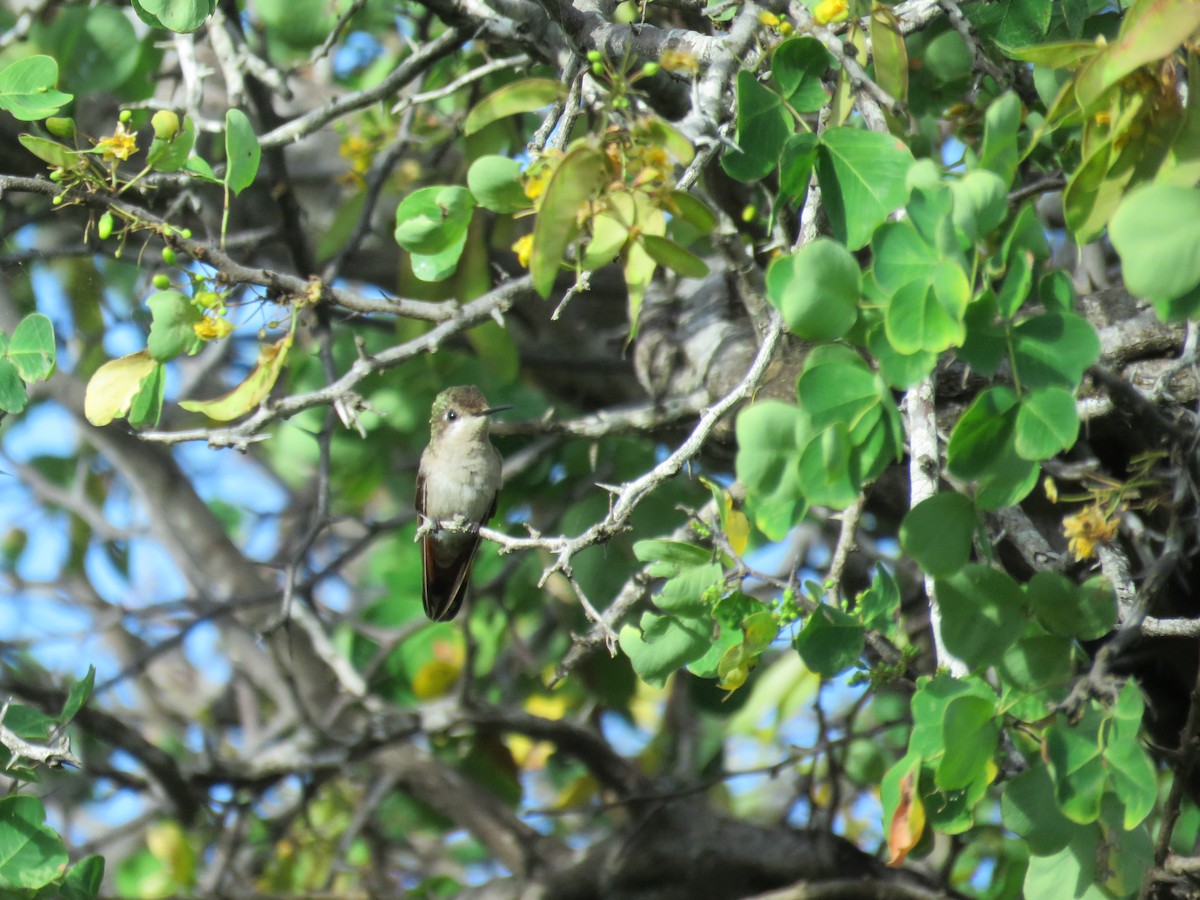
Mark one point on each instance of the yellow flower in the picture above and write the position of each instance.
(536, 181)
(118, 145)
(768, 18)
(678, 61)
(524, 249)
(1051, 489)
(830, 11)
(1087, 528)
(357, 150)
(211, 327)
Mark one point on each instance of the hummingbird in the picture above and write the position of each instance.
(457, 483)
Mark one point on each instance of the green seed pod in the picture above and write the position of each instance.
(597, 68)
(161, 282)
(56, 176)
(651, 69)
(169, 256)
(620, 103)
(206, 299)
(104, 227)
(595, 56)
(185, 233)
(125, 116)
(61, 126)
(165, 124)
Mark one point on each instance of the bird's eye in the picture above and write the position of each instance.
(451, 416)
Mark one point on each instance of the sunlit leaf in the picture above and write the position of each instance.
(251, 392)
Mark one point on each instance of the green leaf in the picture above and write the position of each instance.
(96, 46)
(1095, 189)
(1017, 282)
(13, 397)
(947, 57)
(1002, 122)
(242, 152)
(113, 386)
(576, 180)
(830, 642)
(526, 95)
(879, 604)
(146, 407)
(667, 253)
(684, 593)
(938, 531)
(1054, 349)
(201, 169)
(970, 735)
(31, 348)
(175, 15)
(84, 879)
(170, 155)
(1132, 772)
(980, 203)
(608, 239)
(172, 327)
(987, 424)
(674, 556)
(796, 162)
(825, 472)
(915, 320)
(693, 211)
(1182, 163)
(434, 219)
(763, 124)
(31, 853)
(1040, 664)
(495, 182)
(1069, 874)
(298, 24)
(1047, 423)
(27, 88)
(78, 695)
(862, 175)
(983, 612)
(1152, 30)
(889, 53)
(817, 289)
(929, 703)
(837, 388)
(1077, 766)
(1156, 232)
(1017, 23)
(1028, 809)
(660, 645)
(797, 66)
(51, 152)
(436, 266)
(1056, 291)
(899, 370)
(252, 391)
(767, 439)
(901, 256)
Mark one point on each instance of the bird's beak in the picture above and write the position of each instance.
(495, 409)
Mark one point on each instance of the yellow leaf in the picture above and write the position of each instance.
(251, 392)
(547, 706)
(168, 844)
(737, 529)
(908, 822)
(435, 679)
(114, 385)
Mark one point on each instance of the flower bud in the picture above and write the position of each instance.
(165, 124)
